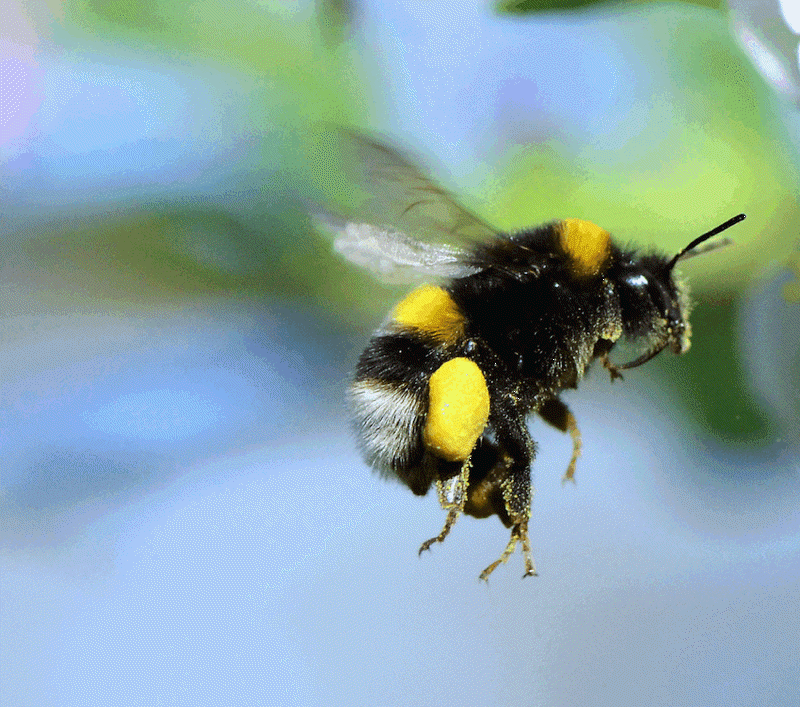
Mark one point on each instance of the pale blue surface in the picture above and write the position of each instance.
(185, 520)
(288, 575)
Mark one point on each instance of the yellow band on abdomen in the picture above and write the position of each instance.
(431, 310)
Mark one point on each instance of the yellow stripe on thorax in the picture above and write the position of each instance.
(458, 409)
(430, 309)
(588, 246)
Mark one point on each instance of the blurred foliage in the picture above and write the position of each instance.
(335, 18)
(711, 379)
(791, 291)
(703, 144)
(707, 121)
(144, 256)
(708, 125)
(279, 40)
(526, 6)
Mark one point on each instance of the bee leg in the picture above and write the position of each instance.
(518, 533)
(452, 497)
(485, 492)
(512, 435)
(458, 410)
(555, 413)
(613, 370)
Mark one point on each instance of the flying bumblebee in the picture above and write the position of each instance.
(441, 394)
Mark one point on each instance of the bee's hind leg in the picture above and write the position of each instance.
(519, 533)
(458, 410)
(514, 439)
(452, 497)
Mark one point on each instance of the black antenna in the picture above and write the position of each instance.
(697, 241)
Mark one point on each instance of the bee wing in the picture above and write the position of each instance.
(407, 227)
(393, 256)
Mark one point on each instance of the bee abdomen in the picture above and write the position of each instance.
(388, 419)
(388, 399)
(389, 396)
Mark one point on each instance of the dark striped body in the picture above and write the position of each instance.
(442, 392)
(530, 337)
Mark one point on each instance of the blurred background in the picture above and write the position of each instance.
(184, 518)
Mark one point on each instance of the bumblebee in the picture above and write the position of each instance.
(442, 392)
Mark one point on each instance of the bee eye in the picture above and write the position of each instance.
(638, 280)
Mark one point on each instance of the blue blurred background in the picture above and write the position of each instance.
(184, 518)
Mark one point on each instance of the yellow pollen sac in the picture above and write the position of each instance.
(587, 245)
(458, 409)
(430, 309)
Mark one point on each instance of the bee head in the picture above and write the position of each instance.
(654, 303)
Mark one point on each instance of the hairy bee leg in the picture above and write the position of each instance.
(575, 433)
(485, 491)
(557, 414)
(530, 565)
(513, 436)
(452, 497)
(519, 533)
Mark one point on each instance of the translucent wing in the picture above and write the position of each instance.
(392, 256)
(403, 198)
(405, 227)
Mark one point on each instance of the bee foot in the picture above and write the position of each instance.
(519, 533)
(427, 544)
(452, 515)
(614, 371)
